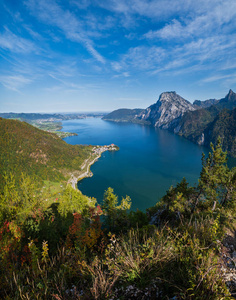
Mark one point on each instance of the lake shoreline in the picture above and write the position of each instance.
(150, 162)
(96, 154)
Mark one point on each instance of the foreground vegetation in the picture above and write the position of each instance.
(60, 249)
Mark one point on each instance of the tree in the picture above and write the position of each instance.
(214, 183)
(110, 201)
(115, 213)
(73, 200)
(217, 183)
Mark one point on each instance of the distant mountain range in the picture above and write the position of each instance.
(28, 117)
(124, 115)
(201, 122)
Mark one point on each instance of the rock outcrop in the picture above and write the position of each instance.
(166, 111)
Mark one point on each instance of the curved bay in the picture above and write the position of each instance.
(149, 161)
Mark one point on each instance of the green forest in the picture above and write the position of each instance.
(63, 245)
(39, 154)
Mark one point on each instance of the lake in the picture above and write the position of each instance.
(149, 161)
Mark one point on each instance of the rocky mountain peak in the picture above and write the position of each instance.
(229, 102)
(230, 94)
(174, 98)
(166, 96)
(168, 107)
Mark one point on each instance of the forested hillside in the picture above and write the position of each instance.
(205, 125)
(193, 123)
(223, 126)
(123, 115)
(42, 155)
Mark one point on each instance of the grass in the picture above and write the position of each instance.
(53, 127)
(54, 189)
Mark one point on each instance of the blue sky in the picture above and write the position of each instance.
(100, 55)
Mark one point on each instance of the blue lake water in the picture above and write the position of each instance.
(149, 161)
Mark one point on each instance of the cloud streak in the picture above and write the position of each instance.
(214, 21)
(12, 42)
(52, 14)
(78, 46)
(14, 83)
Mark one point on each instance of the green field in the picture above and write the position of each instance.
(52, 126)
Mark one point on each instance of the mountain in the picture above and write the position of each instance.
(123, 115)
(169, 107)
(32, 151)
(223, 126)
(200, 122)
(29, 117)
(204, 125)
(228, 102)
(205, 103)
(193, 123)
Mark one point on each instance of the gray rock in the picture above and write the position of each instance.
(169, 107)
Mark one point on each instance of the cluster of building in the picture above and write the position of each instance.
(100, 149)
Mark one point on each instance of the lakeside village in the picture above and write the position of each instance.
(98, 150)
(85, 168)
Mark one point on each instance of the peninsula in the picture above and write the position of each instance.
(85, 167)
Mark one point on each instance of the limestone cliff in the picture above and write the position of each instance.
(166, 111)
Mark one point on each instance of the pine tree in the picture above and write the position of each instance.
(217, 181)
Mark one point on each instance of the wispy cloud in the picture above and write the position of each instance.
(122, 75)
(12, 42)
(14, 83)
(51, 13)
(219, 77)
(116, 66)
(161, 9)
(211, 21)
(140, 58)
(193, 56)
(69, 83)
(35, 35)
(80, 47)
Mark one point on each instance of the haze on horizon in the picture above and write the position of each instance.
(90, 55)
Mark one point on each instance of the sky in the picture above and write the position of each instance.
(101, 55)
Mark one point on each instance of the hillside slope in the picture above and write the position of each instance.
(224, 126)
(205, 103)
(205, 125)
(123, 115)
(32, 151)
(193, 123)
